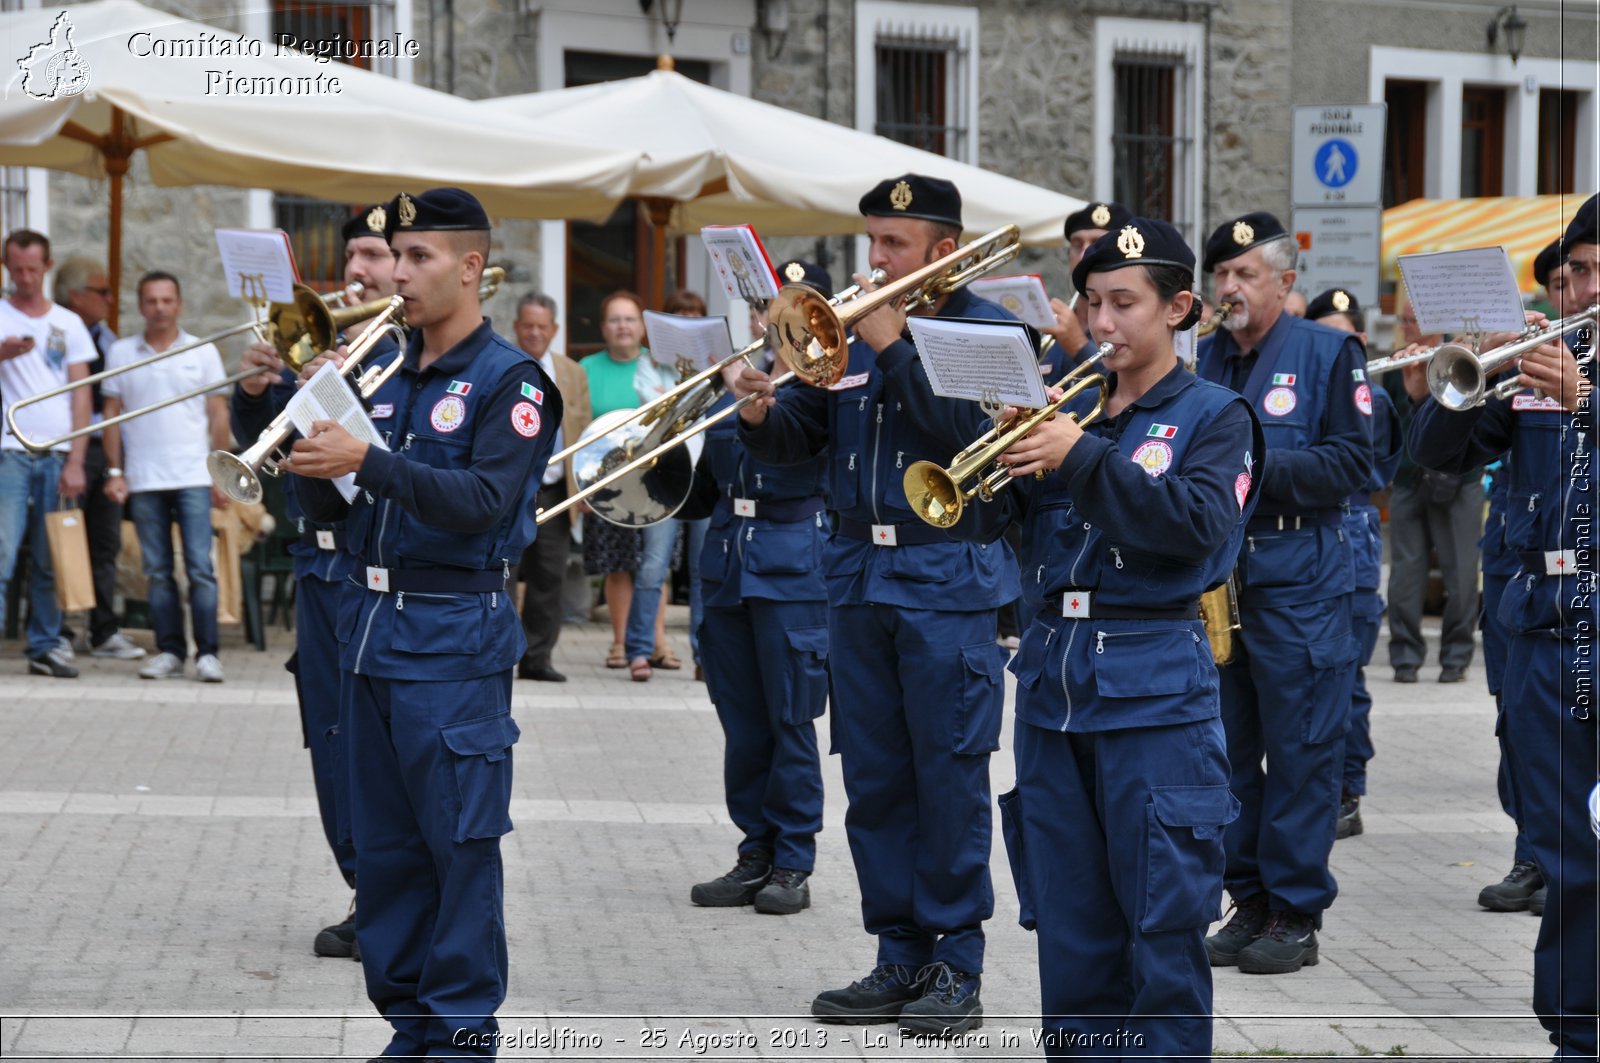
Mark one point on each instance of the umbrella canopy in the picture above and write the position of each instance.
(1523, 225)
(720, 158)
(100, 81)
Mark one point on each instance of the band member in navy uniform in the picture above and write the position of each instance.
(1363, 526)
(1074, 342)
(917, 682)
(321, 567)
(1551, 610)
(431, 633)
(764, 644)
(1115, 827)
(1286, 696)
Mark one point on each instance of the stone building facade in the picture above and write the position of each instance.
(1037, 89)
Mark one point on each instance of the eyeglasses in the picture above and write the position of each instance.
(622, 321)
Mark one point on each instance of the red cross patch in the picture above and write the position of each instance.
(525, 419)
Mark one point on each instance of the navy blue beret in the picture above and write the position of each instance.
(798, 271)
(1234, 238)
(1585, 227)
(1106, 216)
(1547, 262)
(1140, 242)
(438, 209)
(913, 195)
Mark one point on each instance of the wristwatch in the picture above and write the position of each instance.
(113, 472)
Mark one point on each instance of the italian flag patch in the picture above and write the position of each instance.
(458, 387)
(1283, 379)
(1163, 431)
(1359, 375)
(531, 392)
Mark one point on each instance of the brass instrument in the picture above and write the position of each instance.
(1379, 366)
(618, 445)
(239, 475)
(939, 496)
(1458, 375)
(1219, 612)
(813, 338)
(1206, 328)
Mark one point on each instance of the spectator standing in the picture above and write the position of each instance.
(42, 346)
(166, 481)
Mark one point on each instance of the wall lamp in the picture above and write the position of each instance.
(670, 11)
(772, 22)
(1515, 27)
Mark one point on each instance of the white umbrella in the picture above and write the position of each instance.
(99, 81)
(720, 158)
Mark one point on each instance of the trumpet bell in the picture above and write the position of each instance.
(809, 336)
(1456, 377)
(234, 477)
(933, 494)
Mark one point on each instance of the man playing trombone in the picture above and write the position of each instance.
(917, 676)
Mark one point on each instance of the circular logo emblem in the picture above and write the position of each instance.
(1243, 233)
(1011, 303)
(525, 419)
(1278, 402)
(1241, 489)
(1153, 456)
(1364, 399)
(1130, 242)
(1341, 300)
(1101, 215)
(448, 414)
(795, 272)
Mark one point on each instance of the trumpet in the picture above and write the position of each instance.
(239, 475)
(939, 496)
(1208, 327)
(1458, 376)
(1379, 366)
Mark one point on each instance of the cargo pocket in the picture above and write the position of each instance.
(1332, 669)
(482, 751)
(427, 623)
(982, 695)
(1016, 853)
(807, 679)
(1184, 856)
(1153, 662)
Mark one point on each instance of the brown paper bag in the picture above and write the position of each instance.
(225, 562)
(69, 558)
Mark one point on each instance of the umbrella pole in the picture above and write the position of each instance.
(659, 212)
(117, 149)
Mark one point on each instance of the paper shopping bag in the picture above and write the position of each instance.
(225, 564)
(69, 558)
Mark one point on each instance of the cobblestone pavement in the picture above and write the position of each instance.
(165, 873)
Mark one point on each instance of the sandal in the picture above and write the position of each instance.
(639, 669)
(665, 658)
(618, 657)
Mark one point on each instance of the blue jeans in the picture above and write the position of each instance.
(154, 513)
(28, 490)
(654, 564)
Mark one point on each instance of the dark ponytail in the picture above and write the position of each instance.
(1169, 281)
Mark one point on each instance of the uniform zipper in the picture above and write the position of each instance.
(877, 436)
(1072, 572)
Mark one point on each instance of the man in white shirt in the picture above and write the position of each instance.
(544, 563)
(42, 346)
(165, 480)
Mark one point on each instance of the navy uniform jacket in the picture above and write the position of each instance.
(1146, 513)
(469, 438)
(250, 415)
(758, 557)
(1550, 497)
(1308, 386)
(878, 419)
(1363, 521)
(1498, 558)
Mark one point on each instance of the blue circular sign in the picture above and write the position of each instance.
(1336, 163)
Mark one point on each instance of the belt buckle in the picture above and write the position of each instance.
(1075, 604)
(744, 507)
(325, 540)
(377, 579)
(883, 535)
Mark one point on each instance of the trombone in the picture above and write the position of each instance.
(1458, 376)
(1207, 328)
(239, 475)
(298, 329)
(939, 495)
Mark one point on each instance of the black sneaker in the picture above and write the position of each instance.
(338, 940)
(1287, 943)
(1514, 892)
(1405, 673)
(54, 663)
(738, 886)
(1349, 817)
(1536, 903)
(1249, 919)
(879, 997)
(785, 893)
(949, 1007)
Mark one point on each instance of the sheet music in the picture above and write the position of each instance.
(1464, 291)
(989, 361)
(1023, 295)
(700, 341)
(326, 397)
(262, 253)
(740, 262)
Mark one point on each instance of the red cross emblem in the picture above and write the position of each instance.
(883, 535)
(1561, 562)
(525, 419)
(1075, 603)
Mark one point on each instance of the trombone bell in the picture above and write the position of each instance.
(809, 335)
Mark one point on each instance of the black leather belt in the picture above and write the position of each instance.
(1360, 499)
(435, 580)
(1328, 518)
(1557, 562)
(786, 511)
(1086, 605)
(917, 534)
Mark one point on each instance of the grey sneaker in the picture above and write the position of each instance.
(64, 644)
(118, 647)
(53, 663)
(208, 669)
(162, 666)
